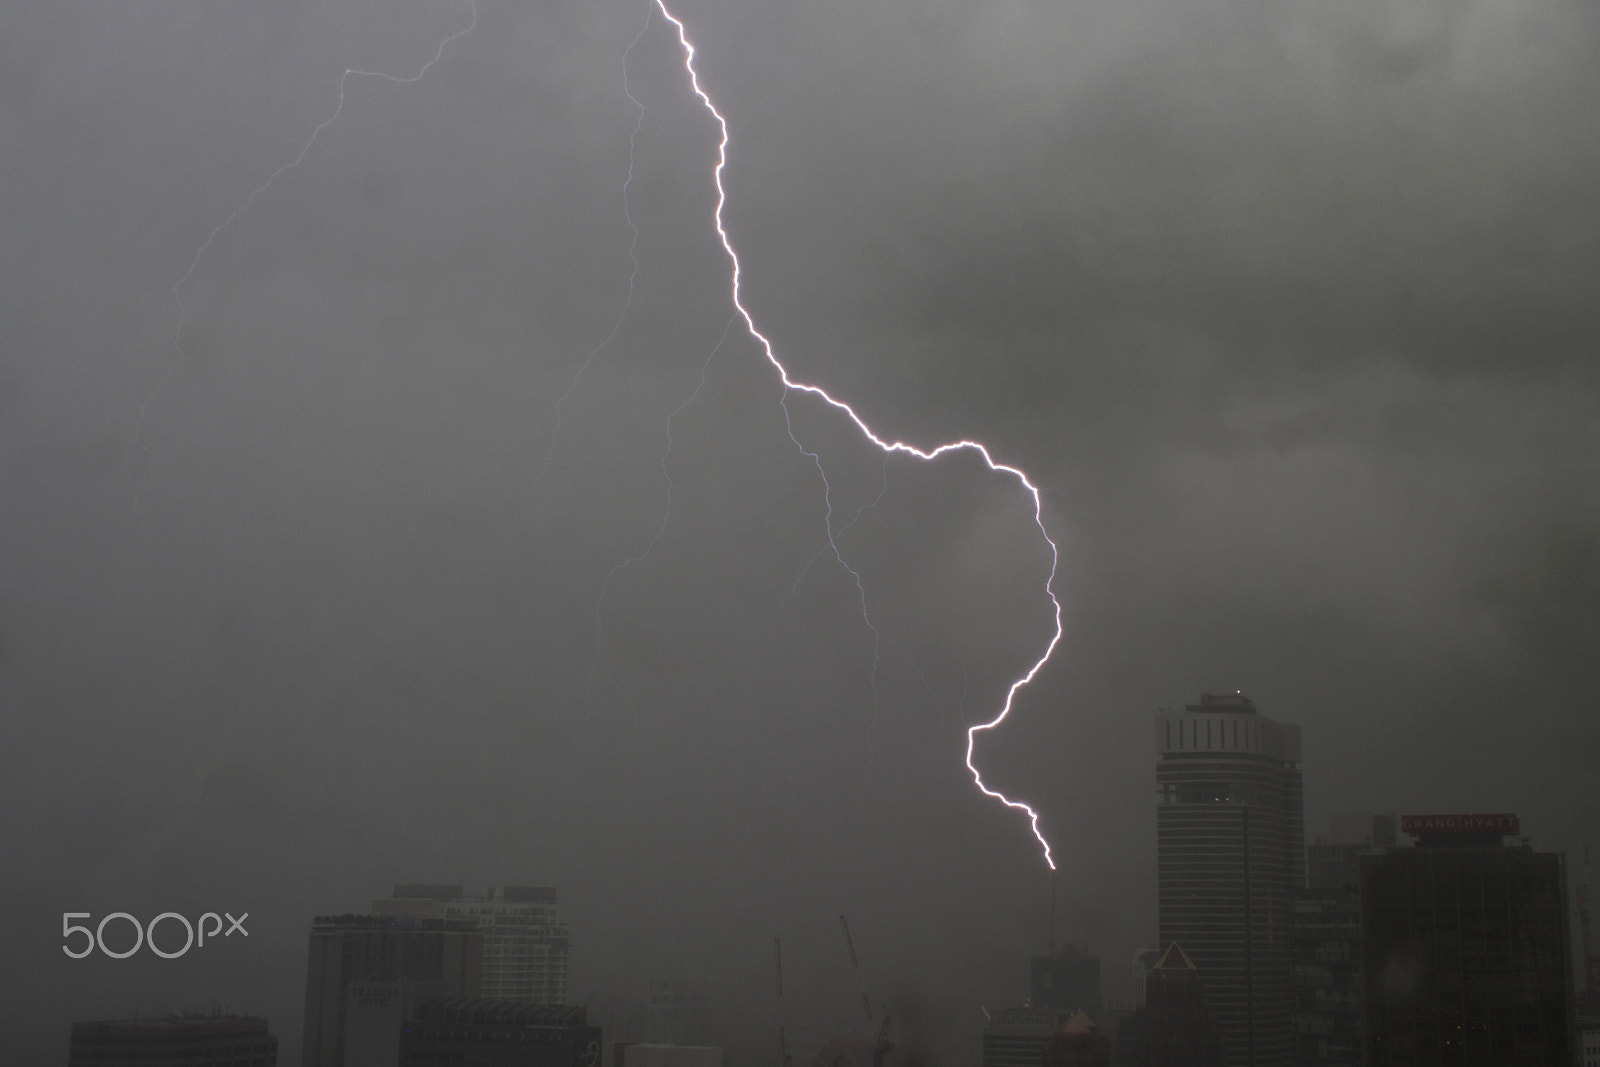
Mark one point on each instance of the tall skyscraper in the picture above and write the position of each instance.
(1230, 846)
(524, 944)
(1465, 951)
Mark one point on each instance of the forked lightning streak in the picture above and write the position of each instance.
(901, 447)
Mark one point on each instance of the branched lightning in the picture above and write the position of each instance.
(879, 638)
(889, 447)
(260, 190)
(789, 384)
(883, 490)
(666, 514)
(833, 547)
(633, 273)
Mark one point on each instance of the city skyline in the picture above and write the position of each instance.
(369, 973)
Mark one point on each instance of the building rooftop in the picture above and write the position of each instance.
(1216, 702)
(1175, 959)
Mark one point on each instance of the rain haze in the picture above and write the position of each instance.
(435, 517)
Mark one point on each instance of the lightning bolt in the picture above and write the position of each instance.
(792, 385)
(181, 356)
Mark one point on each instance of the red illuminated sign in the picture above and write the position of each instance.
(1503, 823)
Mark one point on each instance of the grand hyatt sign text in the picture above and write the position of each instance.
(1458, 824)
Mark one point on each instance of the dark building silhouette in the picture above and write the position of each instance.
(1466, 955)
(1078, 1042)
(1230, 851)
(1325, 971)
(498, 1032)
(365, 973)
(1067, 980)
(1062, 985)
(1173, 1028)
(186, 1040)
(1020, 1037)
(644, 1054)
(1586, 1001)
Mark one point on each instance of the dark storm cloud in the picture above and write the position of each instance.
(1288, 310)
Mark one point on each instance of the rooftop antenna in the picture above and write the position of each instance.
(1051, 943)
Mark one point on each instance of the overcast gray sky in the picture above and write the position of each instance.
(1289, 310)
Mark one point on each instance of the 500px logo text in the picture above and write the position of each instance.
(146, 934)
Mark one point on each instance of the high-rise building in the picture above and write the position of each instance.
(197, 1040)
(524, 945)
(1325, 970)
(366, 972)
(1229, 851)
(1465, 951)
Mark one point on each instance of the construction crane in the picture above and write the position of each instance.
(881, 1045)
(850, 947)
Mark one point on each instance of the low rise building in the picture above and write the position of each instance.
(192, 1040)
(498, 1032)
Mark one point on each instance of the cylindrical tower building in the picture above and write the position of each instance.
(1230, 845)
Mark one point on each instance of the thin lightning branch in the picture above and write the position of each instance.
(258, 191)
(790, 384)
(666, 515)
(633, 257)
(862, 510)
(855, 575)
(915, 666)
(833, 546)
